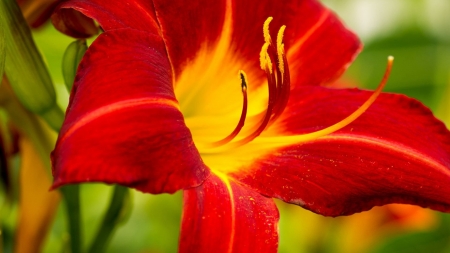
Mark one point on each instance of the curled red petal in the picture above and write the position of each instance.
(319, 47)
(73, 17)
(123, 124)
(396, 152)
(221, 215)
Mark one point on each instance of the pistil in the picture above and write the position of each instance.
(241, 122)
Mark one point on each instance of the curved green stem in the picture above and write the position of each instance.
(110, 220)
(71, 195)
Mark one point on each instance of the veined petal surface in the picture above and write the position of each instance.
(123, 124)
(221, 215)
(396, 152)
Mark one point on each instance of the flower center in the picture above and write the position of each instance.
(218, 143)
(278, 80)
(278, 85)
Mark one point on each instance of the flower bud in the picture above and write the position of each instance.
(24, 65)
(2, 52)
(72, 57)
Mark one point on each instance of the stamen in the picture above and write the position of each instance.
(241, 122)
(278, 80)
(272, 51)
(275, 84)
(284, 87)
(343, 123)
(280, 50)
(266, 32)
(264, 58)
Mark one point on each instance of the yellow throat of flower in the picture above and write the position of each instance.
(211, 105)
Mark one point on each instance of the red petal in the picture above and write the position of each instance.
(221, 215)
(136, 14)
(396, 152)
(319, 47)
(123, 124)
(199, 24)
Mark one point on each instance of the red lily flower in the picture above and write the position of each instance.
(156, 101)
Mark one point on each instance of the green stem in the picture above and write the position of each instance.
(71, 195)
(111, 219)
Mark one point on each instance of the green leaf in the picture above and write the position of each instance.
(419, 69)
(420, 242)
(436, 240)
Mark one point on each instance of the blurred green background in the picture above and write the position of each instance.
(417, 34)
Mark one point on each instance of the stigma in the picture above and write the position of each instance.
(241, 122)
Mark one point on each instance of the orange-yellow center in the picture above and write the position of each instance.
(226, 141)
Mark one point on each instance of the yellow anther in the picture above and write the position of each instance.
(263, 55)
(264, 58)
(266, 32)
(280, 35)
(280, 48)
